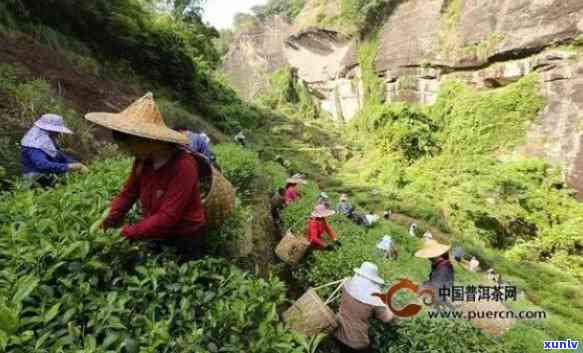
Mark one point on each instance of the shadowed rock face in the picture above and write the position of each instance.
(556, 135)
(409, 36)
(256, 51)
(324, 60)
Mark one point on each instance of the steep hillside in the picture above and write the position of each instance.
(465, 115)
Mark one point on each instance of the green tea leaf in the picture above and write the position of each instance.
(52, 312)
(25, 286)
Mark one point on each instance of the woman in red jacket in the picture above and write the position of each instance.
(164, 178)
(317, 226)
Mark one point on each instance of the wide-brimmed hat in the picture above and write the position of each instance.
(142, 119)
(295, 180)
(320, 211)
(432, 249)
(53, 123)
(369, 271)
(323, 195)
(365, 283)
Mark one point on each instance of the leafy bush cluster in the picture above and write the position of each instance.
(508, 202)
(288, 96)
(66, 287)
(404, 130)
(358, 245)
(290, 9)
(239, 165)
(367, 15)
(423, 335)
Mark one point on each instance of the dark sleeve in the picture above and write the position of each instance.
(176, 201)
(42, 163)
(442, 276)
(64, 158)
(124, 201)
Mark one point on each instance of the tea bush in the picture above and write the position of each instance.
(239, 165)
(66, 287)
(423, 335)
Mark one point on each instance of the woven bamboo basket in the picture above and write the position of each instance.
(219, 201)
(291, 248)
(310, 315)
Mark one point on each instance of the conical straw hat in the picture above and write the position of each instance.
(431, 249)
(142, 119)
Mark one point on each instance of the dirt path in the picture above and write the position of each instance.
(407, 221)
(493, 326)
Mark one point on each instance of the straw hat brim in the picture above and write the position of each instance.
(370, 277)
(296, 181)
(52, 128)
(432, 249)
(146, 130)
(328, 213)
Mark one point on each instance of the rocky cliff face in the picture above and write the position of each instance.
(486, 43)
(256, 51)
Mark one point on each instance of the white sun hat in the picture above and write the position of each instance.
(52, 122)
(364, 284)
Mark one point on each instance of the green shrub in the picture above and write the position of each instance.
(232, 230)
(276, 173)
(65, 286)
(239, 165)
(423, 335)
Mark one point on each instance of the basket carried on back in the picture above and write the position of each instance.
(291, 248)
(219, 200)
(310, 315)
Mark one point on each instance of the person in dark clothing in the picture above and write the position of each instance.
(199, 143)
(241, 139)
(41, 159)
(458, 253)
(277, 205)
(441, 275)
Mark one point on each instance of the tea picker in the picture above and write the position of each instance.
(386, 248)
(41, 158)
(317, 226)
(358, 305)
(413, 229)
(240, 138)
(322, 199)
(344, 207)
(166, 178)
(441, 274)
(458, 253)
(291, 188)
